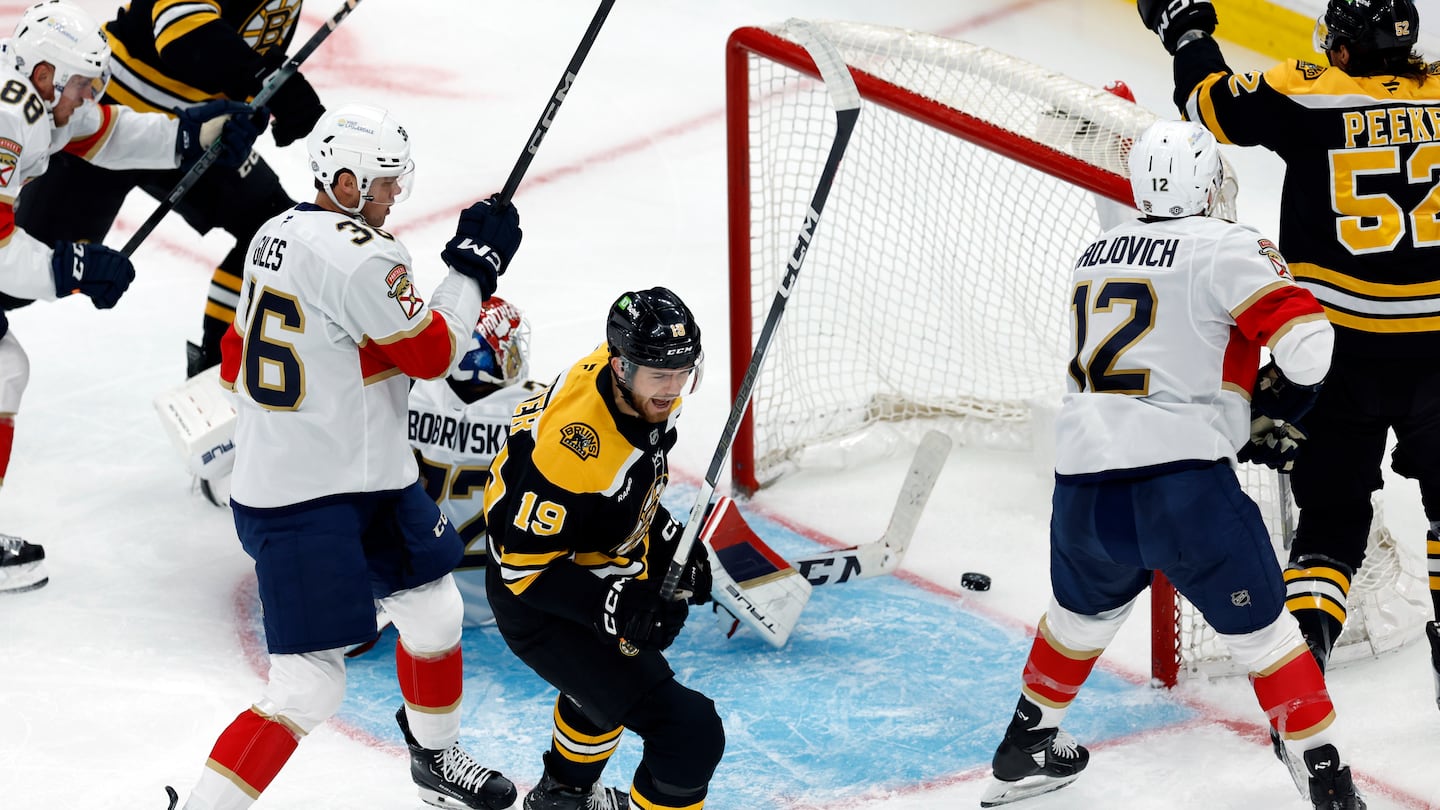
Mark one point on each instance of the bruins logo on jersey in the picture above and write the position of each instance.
(403, 291)
(580, 439)
(1309, 70)
(1269, 251)
(270, 24)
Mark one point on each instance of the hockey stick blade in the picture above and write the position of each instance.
(840, 84)
(883, 556)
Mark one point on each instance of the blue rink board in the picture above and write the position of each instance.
(882, 685)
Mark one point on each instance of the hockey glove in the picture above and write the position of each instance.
(696, 581)
(1279, 398)
(485, 241)
(1170, 19)
(1272, 444)
(295, 105)
(634, 611)
(230, 121)
(93, 269)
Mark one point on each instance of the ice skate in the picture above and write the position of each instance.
(1029, 763)
(1331, 787)
(451, 778)
(1432, 632)
(22, 565)
(551, 795)
(173, 797)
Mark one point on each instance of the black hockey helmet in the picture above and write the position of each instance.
(653, 328)
(1368, 25)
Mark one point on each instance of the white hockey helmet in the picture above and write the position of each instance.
(366, 141)
(66, 37)
(1175, 170)
(499, 348)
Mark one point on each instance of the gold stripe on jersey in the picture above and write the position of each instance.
(1206, 106)
(380, 376)
(1372, 306)
(1320, 86)
(405, 335)
(176, 18)
(577, 446)
(141, 87)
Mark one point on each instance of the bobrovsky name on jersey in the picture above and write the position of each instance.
(1135, 251)
(481, 438)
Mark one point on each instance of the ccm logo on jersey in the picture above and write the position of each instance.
(580, 439)
(403, 291)
(1269, 251)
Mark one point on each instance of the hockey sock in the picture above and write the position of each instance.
(1293, 696)
(7, 440)
(223, 297)
(579, 748)
(1053, 677)
(1432, 550)
(648, 794)
(252, 750)
(1316, 593)
(432, 687)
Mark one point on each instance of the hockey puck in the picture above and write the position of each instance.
(972, 581)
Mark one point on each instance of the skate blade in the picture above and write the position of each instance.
(998, 792)
(437, 799)
(22, 578)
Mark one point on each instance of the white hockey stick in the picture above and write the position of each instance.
(883, 556)
(846, 100)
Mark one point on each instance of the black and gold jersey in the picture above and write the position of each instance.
(1360, 203)
(576, 488)
(175, 53)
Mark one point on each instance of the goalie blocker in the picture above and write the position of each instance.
(200, 422)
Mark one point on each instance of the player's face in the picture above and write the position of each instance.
(77, 91)
(653, 391)
(385, 192)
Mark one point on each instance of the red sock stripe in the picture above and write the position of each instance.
(1055, 676)
(253, 749)
(1293, 696)
(430, 683)
(7, 440)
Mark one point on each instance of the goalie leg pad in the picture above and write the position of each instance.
(751, 581)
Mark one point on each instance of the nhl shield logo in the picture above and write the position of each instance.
(580, 439)
(403, 291)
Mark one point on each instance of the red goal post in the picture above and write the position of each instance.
(935, 288)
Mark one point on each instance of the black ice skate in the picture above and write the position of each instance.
(551, 795)
(1331, 787)
(22, 565)
(451, 778)
(1032, 761)
(172, 796)
(1432, 631)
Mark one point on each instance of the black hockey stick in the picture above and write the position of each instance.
(542, 127)
(272, 84)
(846, 100)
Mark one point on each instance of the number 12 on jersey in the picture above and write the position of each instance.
(1100, 371)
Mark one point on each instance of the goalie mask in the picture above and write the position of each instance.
(498, 352)
(1364, 26)
(70, 41)
(1175, 170)
(653, 328)
(367, 142)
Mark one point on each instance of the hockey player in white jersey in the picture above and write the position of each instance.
(325, 492)
(51, 71)
(459, 423)
(1170, 313)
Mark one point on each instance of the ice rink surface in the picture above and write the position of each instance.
(116, 678)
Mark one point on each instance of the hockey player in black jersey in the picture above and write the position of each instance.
(579, 542)
(172, 54)
(1360, 223)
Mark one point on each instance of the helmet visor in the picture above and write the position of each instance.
(1322, 37)
(660, 383)
(394, 188)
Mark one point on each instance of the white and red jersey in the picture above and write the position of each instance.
(1169, 317)
(456, 443)
(106, 135)
(327, 335)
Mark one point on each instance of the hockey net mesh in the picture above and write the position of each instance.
(935, 289)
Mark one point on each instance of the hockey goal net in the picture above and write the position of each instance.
(935, 291)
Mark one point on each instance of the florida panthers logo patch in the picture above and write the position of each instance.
(9, 159)
(1277, 262)
(580, 439)
(403, 291)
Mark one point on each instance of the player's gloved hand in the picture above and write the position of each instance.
(696, 582)
(92, 269)
(295, 105)
(231, 122)
(1169, 19)
(486, 238)
(1277, 397)
(1273, 444)
(634, 611)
